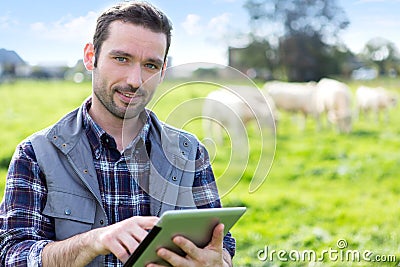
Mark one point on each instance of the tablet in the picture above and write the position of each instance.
(196, 225)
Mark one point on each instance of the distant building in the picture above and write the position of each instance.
(235, 58)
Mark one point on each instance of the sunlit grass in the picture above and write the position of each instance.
(28, 106)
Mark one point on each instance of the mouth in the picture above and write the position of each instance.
(127, 97)
(130, 95)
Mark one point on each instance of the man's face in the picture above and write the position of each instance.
(129, 68)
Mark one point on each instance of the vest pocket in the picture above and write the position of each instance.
(73, 214)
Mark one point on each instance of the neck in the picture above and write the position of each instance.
(115, 126)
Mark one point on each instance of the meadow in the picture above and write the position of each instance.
(327, 194)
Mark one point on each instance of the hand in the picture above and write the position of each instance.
(122, 238)
(211, 255)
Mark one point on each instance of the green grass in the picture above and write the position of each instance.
(28, 106)
(322, 186)
(316, 195)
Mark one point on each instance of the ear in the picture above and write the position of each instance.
(88, 56)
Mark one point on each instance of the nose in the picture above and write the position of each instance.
(134, 77)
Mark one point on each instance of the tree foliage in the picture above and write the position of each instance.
(255, 57)
(383, 54)
(303, 32)
(307, 17)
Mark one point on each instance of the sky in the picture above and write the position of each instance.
(54, 32)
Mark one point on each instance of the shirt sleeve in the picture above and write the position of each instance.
(24, 230)
(205, 191)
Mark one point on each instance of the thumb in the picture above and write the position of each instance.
(218, 237)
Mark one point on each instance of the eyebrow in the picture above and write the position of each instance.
(121, 53)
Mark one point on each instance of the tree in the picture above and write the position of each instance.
(255, 57)
(304, 32)
(383, 54)
(301, 55)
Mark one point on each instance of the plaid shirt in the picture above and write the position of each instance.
(24, 230)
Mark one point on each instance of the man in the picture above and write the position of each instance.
(86, 190)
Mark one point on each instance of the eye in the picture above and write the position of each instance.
(121, 59)
(151, 66)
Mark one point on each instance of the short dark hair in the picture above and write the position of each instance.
(138, 13)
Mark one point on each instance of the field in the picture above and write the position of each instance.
(329, 195)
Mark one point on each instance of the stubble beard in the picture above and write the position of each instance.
(107, 100)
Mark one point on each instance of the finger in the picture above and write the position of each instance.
(145, 222)
(127, 235)
(217, 238)
(119, 251)
(154, 265)
(139, 225)
(172, 258)
(187, 246)
(129, 243)
(136, 232)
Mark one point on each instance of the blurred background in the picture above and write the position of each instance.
(291, 40)
(324, 186)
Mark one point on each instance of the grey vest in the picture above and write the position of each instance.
(73, 200)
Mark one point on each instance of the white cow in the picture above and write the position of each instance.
(293, 97)
(233, 108)
(334, 99)
(374, 100)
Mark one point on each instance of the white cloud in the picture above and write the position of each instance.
(219, 25)
(38, 27)
(6, 22)
(68, 29)
(208, 37)
(216, 26)
(192, 24)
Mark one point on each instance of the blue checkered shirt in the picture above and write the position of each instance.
(24, 230)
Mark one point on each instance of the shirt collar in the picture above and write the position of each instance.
(96, 134)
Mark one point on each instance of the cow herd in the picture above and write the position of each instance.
(231, 108)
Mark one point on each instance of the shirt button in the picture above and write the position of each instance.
(97, 153)
(67, 211)
(185, 144)
(174, 178)
(101, 222)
